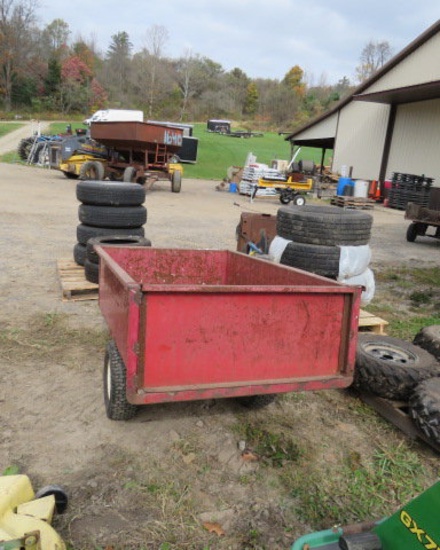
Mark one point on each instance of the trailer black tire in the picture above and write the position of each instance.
(299, 200)
(411, 233)
(321, 260)
(285, 198)
(255, 402)
(79, 253)
(91, 170)
(391, 368)
(428, 338)
(86, 232)
(109, 193)
(70, 175)
(176, 181)
(112, 216)
(116, 404)
(424, 407)
(91, 271)
(129, 175)
(324, 225)
(116, 240)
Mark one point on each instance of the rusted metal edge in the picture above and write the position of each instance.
(394, 411)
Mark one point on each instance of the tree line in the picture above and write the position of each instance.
(43, 71)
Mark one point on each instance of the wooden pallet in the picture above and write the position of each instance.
(353, 202)
(74, 285)
(368, 322)
(397, 413)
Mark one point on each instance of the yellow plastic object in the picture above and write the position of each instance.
(24, 522)
(73, 164)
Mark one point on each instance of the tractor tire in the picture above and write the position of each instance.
(105, 193)
(176, 181)
(79, 253)
(256, 402)
(321, 260)
(115, 240)
(24, 148)
(129, 174)
(86, 232)
(115, 382)
(428, 338)
(391, 368)
(324, 225)
(91, 271)
(112, 216)
(91, 170)
(424, 408)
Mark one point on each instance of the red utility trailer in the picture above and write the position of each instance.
(199, 324)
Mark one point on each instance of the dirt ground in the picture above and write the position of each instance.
(150, 482)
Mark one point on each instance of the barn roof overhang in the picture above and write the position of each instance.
(321, 143)
(408, 94)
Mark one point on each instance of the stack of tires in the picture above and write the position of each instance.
(327, 241)
(110, 212)
(406, 372)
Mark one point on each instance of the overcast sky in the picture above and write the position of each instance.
(264, 38)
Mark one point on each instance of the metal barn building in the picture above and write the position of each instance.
(391, 122)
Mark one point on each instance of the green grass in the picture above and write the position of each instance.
(10, 127)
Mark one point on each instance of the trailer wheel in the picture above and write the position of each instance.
(285, 198)
(112, 216)
(411, 233)
(129, 174)
(424, 408)
(91, 170)
(326, 225)
(299, 200)
(391, 368)
(256, 402)
(176, 181)
(109, 193)
(115, 381)
(428, 338)
(70, 175)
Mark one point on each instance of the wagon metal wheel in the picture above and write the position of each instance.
(176, 181)
(256, 402)
(91, 170)
(115, 379)
(391, 368)
(425, 408)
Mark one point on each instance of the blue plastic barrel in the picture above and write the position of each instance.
(341, 185)
(232, 187)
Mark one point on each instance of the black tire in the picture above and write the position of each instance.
(70, 175)
(176, 181)
(255, 402)
(321, 260)
(86, 232)
(424, 407)
(411, 233)
(428, 338)
(91, 271)
(91, 170)
(24, 148)
(118, 240)
(109, 193)
(285, 198)
(112, 216)
(324, 225)
(391, 368)
(61, 497)
(115, 381)
(129, 174)
(79, 253)
(299, 200)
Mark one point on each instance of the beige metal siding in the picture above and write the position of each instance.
(360, 139)
(415, 147)
(419, 67)
(324, 129)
